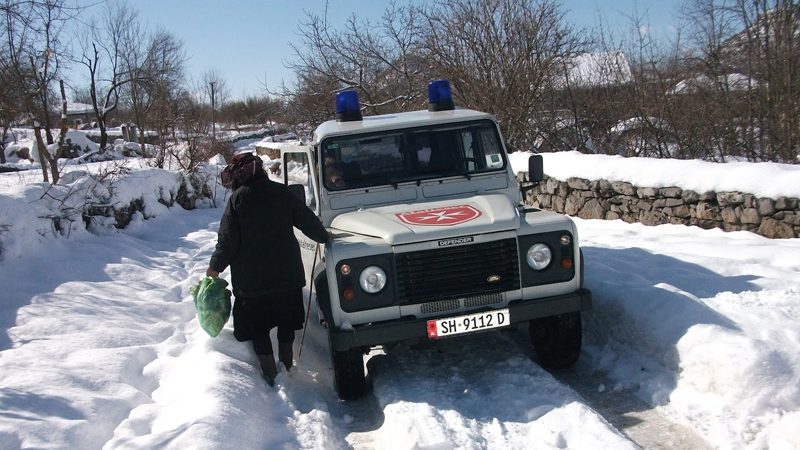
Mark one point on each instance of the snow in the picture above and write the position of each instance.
(598, 69)
(734, 82)
(761, 179)
(101, 348)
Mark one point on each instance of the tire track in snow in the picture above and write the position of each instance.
(642, 423)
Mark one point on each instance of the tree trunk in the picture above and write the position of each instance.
(103, 134)
(62, 153)
(45, 158)
(3, 145)
(42, 149)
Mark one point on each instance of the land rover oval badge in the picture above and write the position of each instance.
(493, 279)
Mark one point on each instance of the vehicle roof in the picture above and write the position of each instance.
(396, 121)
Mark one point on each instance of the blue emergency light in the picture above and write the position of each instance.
(348, 108)
(440, 98)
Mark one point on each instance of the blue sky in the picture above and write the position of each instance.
(248, 40)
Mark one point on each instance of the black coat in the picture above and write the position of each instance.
(256, 238)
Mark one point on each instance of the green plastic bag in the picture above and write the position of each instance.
(213, 304)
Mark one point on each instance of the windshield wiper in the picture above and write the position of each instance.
(383, 179)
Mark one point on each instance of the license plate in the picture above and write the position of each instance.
(467, 324)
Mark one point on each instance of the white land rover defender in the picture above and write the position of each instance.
(432, 240)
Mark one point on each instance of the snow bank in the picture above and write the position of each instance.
(32, 212)
(761, 179)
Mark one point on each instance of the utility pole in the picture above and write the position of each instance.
(213, 114)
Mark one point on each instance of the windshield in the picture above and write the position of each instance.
(414, 154)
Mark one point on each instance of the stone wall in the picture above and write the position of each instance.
(611, 200)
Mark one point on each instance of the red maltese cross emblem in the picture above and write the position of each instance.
(444, 216)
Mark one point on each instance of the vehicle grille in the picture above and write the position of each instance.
(456, 272)
(454, 304)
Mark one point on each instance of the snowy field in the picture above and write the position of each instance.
(101, 349)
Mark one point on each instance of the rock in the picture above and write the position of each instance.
(667, 202)
(605, 189)
(592, 210)
(558, 204)
(551, 186)
(646, 192)
(623, 188)
(670, 192)
(792, 219)
(573, 205)
(708, 196)
(774, 229)
(578, 183)
(731, 227)
(705, 211)
(682, 211)
(707, 224)
(766, 206)
(611, 215)
(750, 216)
(678, 221)
(650, 218)
(730, 216)
(690, 196)
(786, 203)
(545, 200)
(730, 198)
(618, 199)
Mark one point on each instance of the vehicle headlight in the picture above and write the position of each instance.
(539, 256)
(372, 279)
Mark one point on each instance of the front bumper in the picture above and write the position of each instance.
(408, 329)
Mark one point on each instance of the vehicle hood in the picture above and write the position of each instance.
(407, 223)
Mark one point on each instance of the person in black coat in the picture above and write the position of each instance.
(256, 239)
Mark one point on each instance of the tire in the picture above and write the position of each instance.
(557, 340)
(349, 378)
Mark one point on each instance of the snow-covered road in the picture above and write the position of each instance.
(101, 350)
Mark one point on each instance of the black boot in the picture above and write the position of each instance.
(285, 354)
(268, 368)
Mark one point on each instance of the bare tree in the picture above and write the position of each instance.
(744, 77)
(32, 39)
(216, 91)
(640, 118)
(771, 42)
(11, 103)
(156, 61)
(253, 110)
(502, 56)
(380, 60)
(103, 57)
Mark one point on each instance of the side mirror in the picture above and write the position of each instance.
(299, 191)
(535, 168)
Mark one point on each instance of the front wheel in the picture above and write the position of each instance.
(349, 378)
(557, 340)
